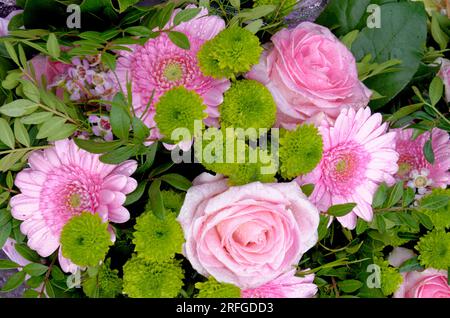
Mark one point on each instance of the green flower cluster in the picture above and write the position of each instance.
(213, 289)
(85, 239)
(178, 108)
(248, 104)
(439, 217)
(283, 7)
(234, 50)
(149, 279)
(300, 151)
(390, 277)
(105, 283)
(156, 239)
(434, 249)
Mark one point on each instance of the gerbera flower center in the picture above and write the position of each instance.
(173, 72)
(346, 164)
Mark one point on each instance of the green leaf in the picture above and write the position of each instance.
(254, 26)
(53, 46)
(186, 15)
(5, 232)
(27, 253)
(141, 131)
(428, 151)
(156, 200)
(36, 118)
(51, 127)
(5, 215)
(6, 134)
(98, 147)
(7, 264)
(408, 197)
(3, 197)
(350, 286)
(9, 160)
(349, 38)
(66, 131)
(14, 282)
(436, 90)
(437, 33)
(109, 60)
(405, 111)
(411, 265)
(119, 155)
(323, 227)
(307, 189)
(31, 91)
(435, 201)
(21, 133)
(164, 15)
(177, 181)
(50, 290)
(30, 293)
(11, 52)
(35, 281)
(18, 108)
(136, 194)
(361, 226)
(35, 269)
(236, 3)
(161, 169)
(402, 36)
(395, 195)
(125, 4)
(380, 196)
(341, 209)
(424, 220)
(380, 223)
(179, 39)
(120, 120)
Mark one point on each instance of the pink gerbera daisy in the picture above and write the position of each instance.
(63, 181)
(358, 155)
(286, 286)
(160, 65)
(412, 162)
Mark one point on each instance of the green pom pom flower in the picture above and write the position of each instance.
(157, 239)
(248, 104)
(148, 279)
(105, 284)
(434, 249)
(213, 289)
(283, 7)
(85, 239)
(178, 108)
(173, 201)
(390, 277)
(300, 151)
(234, 50)
(439, 217)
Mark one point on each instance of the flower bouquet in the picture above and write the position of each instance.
(225, 149)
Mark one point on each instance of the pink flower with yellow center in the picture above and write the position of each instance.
(358, 155)
(63, 181)
(412, 157)
(160, 65)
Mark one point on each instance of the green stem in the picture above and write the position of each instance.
(6, 152)
(439, 113)
(57, 113)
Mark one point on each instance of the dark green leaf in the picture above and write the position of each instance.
(98, 147)
(119, 155)
(35, 269)
(361, 226)
(308, 189)
(137, 194)
(7, 264)
(161, 169)
(380, 196)
(436, 90)
(395, 194)
(435, 201)
(323, 227)
(341, 209)
(27, 253)
(186, 15)
(120, 120)
(408, 197)
(141, 131)
(428, 151)
(30, 293)
(177, 181)
(179, 39)
(5, 231)
(156, 200)
(14, 282)
(411, 265)
(424, 220)
(350, 286)
(35, 281)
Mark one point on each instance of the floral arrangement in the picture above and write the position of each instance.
(225, 149)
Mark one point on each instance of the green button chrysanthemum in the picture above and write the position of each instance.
(105, 284)
(390, 278)
(213, 289)
(173, 201)
(300, 151)
(234, 50)
(148, 279)
(434, 249)
(439, 217)
(248, 104)
(178, 108)
(157, 239)
(85, 239)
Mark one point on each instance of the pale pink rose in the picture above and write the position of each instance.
(4, 22)
(399, 255)
(247, 235)
(430, 283)
(311, 74)
(286, 286)
(444, 74)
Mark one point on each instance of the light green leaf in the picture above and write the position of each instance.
(177, 181)
(66, 131)
(14, 281)
(436, 90)
(31, 91)
(36, 118)
(51, 127)
(9, 160)
(53, 46)
(179, 39)
(6, 134)
(21, 133)
(19, 108)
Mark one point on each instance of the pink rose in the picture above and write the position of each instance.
(311, 74)
(444, 74)
(430, 283)
(246, 235)
(286, 286)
